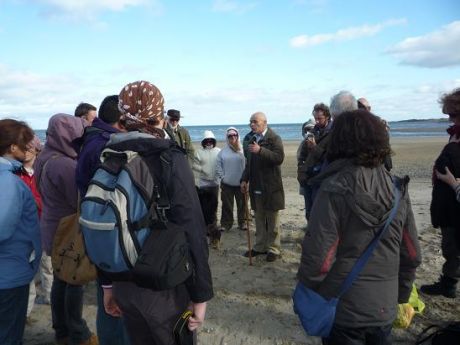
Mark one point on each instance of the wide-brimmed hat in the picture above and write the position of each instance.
(173, 114)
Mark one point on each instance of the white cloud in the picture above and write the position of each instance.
(89, 9)
(34, 97)
(232, 6)
(436, 49)
(346, 34)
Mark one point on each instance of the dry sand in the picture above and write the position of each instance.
(252, 304)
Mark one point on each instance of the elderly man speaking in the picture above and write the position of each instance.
(262, 178)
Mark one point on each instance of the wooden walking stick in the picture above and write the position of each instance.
(247, 218)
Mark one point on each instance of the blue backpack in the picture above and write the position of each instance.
(123, 210)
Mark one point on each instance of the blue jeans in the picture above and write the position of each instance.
(13, 309)
(67, 309)
(359, 336)
(110, 330)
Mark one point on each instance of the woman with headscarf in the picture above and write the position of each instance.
(229, 169)
(150, 315)
(20, 247)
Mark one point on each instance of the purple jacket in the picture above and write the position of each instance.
(55, 173)
(92, 144)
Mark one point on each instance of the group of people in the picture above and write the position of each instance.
(342, 170)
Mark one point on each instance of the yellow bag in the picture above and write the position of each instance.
(406, 311)
(68, 256)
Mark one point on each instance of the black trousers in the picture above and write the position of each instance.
(359, 336)
(208, 200)
(227, 195)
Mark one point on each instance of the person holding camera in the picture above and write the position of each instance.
(312, 137)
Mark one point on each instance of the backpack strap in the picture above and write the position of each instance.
(160, 203)
(361, 262)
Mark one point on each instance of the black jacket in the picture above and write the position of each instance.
(445, 209)
(185, 209)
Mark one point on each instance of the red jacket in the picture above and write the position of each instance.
(29, 180)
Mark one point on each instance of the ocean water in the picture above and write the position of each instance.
(292, 131)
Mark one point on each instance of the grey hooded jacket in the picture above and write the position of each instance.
(352, 205)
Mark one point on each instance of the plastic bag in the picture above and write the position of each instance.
(406, 311)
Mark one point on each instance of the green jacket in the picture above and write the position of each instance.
(182, 138)
(263, 172)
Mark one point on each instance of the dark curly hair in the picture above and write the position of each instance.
(322, 107)
(451, 103)
(361, 136)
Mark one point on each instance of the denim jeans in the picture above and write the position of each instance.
(67, 309)
(359, 336)
(110, 330)
(13, 309)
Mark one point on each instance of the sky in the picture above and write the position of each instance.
(219, 61)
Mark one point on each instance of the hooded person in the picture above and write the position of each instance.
(55, 176)
(229, 169)
(207, 183)
(150, 315)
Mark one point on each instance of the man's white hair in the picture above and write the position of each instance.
(341, 102)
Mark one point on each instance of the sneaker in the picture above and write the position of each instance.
(445, 286)
(272, 257)
(93, 340)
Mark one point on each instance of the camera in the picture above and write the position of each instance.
(308, 135)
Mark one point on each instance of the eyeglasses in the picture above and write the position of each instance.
(232, 136)
(171, 119)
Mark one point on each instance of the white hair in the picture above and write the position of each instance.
(341, 102)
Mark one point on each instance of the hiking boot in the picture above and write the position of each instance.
(93, 340)
(272, 257)
(253, 253)
(445, 286)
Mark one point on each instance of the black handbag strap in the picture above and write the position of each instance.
(361, 262)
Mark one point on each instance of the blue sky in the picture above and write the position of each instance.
(220, 61)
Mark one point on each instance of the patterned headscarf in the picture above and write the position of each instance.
(141, 104)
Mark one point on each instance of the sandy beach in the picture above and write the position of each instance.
(252, 304)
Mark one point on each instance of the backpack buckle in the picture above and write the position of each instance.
(162, 213)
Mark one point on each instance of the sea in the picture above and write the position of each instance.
(292, 131)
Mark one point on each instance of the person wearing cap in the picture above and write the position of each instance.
(444, 206)
(181, 134)
(262, 179)
(230, 167)
(207, 183)
(320, 130)
(150, 315)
